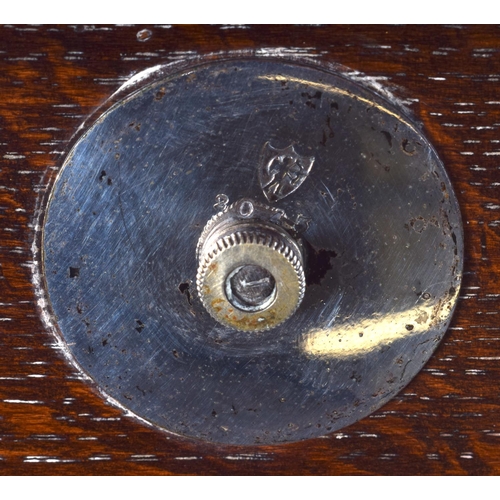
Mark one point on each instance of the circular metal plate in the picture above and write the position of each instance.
(373, 205)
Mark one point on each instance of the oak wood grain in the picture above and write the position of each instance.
(445, 422)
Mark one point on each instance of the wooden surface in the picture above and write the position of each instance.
(445, 422)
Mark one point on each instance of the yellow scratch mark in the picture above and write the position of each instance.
(335, 90)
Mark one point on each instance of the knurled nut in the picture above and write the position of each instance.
(208, 228)
(212, 222)
(256, 238)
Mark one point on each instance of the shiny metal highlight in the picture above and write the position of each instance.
(376, 222)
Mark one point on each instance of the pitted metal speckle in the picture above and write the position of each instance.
(362, 191)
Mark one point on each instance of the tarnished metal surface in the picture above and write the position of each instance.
(381, 230)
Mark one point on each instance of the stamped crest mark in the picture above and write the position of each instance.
(282, 171)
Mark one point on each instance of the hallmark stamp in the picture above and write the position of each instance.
(282, 171)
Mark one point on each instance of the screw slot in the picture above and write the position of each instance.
(251, 288)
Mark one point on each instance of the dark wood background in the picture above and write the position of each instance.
(445, 422)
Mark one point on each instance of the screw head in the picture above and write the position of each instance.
(251, 288)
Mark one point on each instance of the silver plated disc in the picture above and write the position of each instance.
(368, 197)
